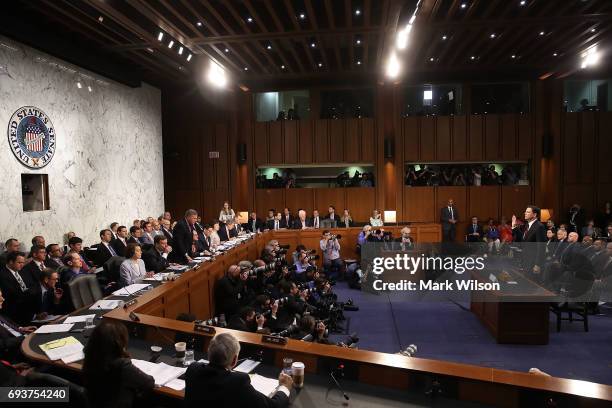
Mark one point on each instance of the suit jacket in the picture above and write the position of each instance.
(154, 261)
(311, 222)
(133, 240)
(445, 216)
(270, 224)
(169, 236)
(104, 254)
(9, 343)
(31, 274)
(183, 239)
(146, 239)
(297, 223)
(209, 386)
(53, 264)
(284, 223)
(336, 217)
(470, 230)
(533, 254)
(47, 303)
(223, 234)
(119, 247)
(19, 305)
(537, 233)
(259, 225)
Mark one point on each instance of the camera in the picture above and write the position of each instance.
(335, 236)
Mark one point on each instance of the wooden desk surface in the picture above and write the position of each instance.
(157, 308)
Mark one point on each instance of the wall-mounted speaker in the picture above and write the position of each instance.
(547, 145)
(242, 153)
(389, 148)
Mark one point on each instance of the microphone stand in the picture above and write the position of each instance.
(337, 383)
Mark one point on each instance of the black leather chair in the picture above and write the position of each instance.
(84, 290)
(77, 394)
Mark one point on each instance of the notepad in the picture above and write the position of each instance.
(267, 386)
(74, 357)
(177, 384)
(246, 366)
(78, 319)
(54, 328)
(105, 304)
(161, 372)
(131, 289)
(61, 348)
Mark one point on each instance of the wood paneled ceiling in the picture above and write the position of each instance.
(271, 41)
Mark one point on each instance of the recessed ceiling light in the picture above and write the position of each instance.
(432, 59)
(227, 50)
(522, 3)
(199, 24)
(358, 41)
(444, 37)
(542, 33)
(79, 85)
(246, 68)
(358, 62)
(89, 88)
(320, 64)
(513, 56)
(269, 47)
(180, 51)
(160, 36)
(282, 67)
(302, 16)
(100, 19)
(189, 57)
(313, 45)
(463, 5)
(473, 57)
(357, 12)
(593, 30)
(171, 43)
(555, 54)
(250, 19)
(492, 35)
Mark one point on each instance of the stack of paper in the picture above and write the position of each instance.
(246, 366)
(177, 268)
(78, 319)
(105, 304)
(177, 384)
(131, 289)
(267, 386)
(160, 276)
(54, 328)
(161, 372)
(65, 348)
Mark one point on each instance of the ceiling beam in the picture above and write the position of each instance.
(331, 21)
(312, 17)
(298, 30)
(279, 27)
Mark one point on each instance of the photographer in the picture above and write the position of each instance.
(305, 263)
(230, 292)
(331, 254)
(406, 242)
(293, 303)
(247, 320)
(311, 330)
(264, 306)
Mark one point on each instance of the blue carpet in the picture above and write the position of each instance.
(445, 331)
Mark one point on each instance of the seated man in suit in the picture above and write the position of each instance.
(247, 320)
(228, 231)
(275, 223)
(147, 234)
(473, 232)
(216, 383)
(135, 235)
(166, 230)
(11, 336)
(301, 222)
(31, 272)
(204, 242)
(254, 224)
(11, 245)
(74, 267)
(104, 249)
(156, 258)
(37, 240)
(76, 245)
(331, 215)
(54, 256)
(315, 221)
(50, 294)
(21, 300)
(286, 219)
(120, 244)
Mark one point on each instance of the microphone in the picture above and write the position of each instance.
(340, 370)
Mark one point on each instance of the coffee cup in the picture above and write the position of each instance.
(180, 348)
(297, 372)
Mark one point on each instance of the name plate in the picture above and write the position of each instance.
(204, 329)
(129, 303)
(266, 338)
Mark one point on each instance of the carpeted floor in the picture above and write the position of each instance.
(446, 331)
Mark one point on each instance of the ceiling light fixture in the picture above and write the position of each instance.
(522, 3)
(89, 88)
(358, 41)
(432, 59)
(313, 45)
(357, 12)
(542, 33)
(250, 19)
(226, 50)
(444, 37)
(171, 43)
(282, 67)
(100, 19)
(593, 30)
(473, 57)
(189, 57)
(555, 54)
(463, 5)
(320, 64)
(269, 47)
(302, 16)
(246, 68)
(393, 66)
(199, 24)
(358, 62)
(79, 85)
(216, 75)
(590, 57)
(180, 51)
(160, 36)
(402, 37)
(492, 35)
(513, 56)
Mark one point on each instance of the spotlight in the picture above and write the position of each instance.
(463, 5)
(473, 57)
(189, 58)
(444, 37)
(554, 54)
(302, 16)
(590, 58)
(246, 68)
(522, 3)
(357, 12)
(432, 59)
(402, 37)
(216, 75)
(593, 30)
(160, 36)
(79, 85)
(320, 64)
(358, 41)
(492, 35)
(393, 66)
(180, 51)
(358, 62)
(250, 19)
(199, 24)
(513, 56)
(269, 47)
(282, 67)
(313, 45)
(542, 33)
(171, 43)
(226, 50)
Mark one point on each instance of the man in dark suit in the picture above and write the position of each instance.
(31, 271)
(449, 217)
(301, 222)
(184, 247)
(135, 235)
(473, 232)
(254, 224)
(533, 232)
(274, 224)
(166, 230)
(228, 231)
(230, 292)
(104, 250)
(21, 300)
(11, 336)
(315, 221)
(247, 320)
(120, 244)
(331, 215)
(286, 219)
(54, 256)
(10, 245)
(50, 296)
(156, 258)
(216, 384)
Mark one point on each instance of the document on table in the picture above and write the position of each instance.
(78, 319)
(105, 304)
(267, 386)
(177, 384)
(246, 366)
(177, 268)
(160, 276)
(53, 328)
(49, 318)
(78, 356)
(161, 372)
(62, 348)
(131, 289)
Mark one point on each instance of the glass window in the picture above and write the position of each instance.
(35, 192)
(283, 105)
(585, 95)
(467, 174)
(313, 176)
(357, 103)
(428, 99)
(510, 97)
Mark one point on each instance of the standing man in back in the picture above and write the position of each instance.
(449, 217)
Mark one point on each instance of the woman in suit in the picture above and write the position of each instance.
(215, 240)
(346, 220)
(133, 268)
(227, 213)
(110, 377)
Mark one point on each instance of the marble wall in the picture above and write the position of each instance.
(108, 162)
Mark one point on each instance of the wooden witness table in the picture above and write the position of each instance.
(193, 293)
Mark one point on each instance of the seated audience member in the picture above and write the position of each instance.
(54, 256)
(133, 268)
(215, 240)
(215, 384)
(135, 235)
(184, 247)
(228, 231)
(230, 292)
(120, 244)
(74, 267)
(247, 320)
(301, 221)
(11, 245)
(330, 247)
(405, 240)
(110, 378)
(50, 294)
(76, 245)
(38, 240)
(549, 246)
(271, 214)
(204, 241)
(21, 300)
(166, 230)
(113, 227)
(67, 237)
(275, 223)
(156, 257)
(505, 231)
(561, 244)
(105, 251)
(167, 216)
(11, 336)
(147, 234)
(156, 228)
(227, 213)
(492, 235)
(590, 230)
(315, 221)
(346, 220)
(31, 272)
(473, 231)
(376, 219)
(331, 214)
(137, 223)
(287, 219)
(254, 224)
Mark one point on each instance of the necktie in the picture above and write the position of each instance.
(111, 250)
(41, 266)
(20, 281)
(450, 209)
(275, 225)
(316, 222)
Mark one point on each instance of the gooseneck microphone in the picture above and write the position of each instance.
(340, 370)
